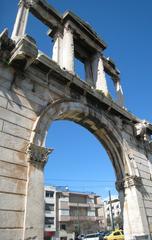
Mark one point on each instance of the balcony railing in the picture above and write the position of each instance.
(83, 218)
(87, 205)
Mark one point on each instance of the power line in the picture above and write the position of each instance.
(78, 180)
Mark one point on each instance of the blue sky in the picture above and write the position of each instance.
(79, 160)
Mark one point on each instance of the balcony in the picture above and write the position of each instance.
(49, 200)
(72, 204)
(63, 205)
(85, 205)
(49, 227)
(49, 213)
(99, 205)
(64, 218)
(82, 218)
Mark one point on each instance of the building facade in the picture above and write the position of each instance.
(69, 213)
(113, 213)
(50, 212)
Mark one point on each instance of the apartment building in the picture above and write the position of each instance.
(50, 212)
(68, 213)
(114, 209)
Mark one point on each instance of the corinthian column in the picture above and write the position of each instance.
(99, 74)
(57, 49)
(34, 205)
(68, 49)
(21, 21)
(134, 214)
(119, 92)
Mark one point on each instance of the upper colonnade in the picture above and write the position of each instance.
(73, 38)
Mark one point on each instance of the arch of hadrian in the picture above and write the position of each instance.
(36, 90)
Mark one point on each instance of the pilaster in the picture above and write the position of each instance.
(128, 182)
(134, 215)
(101, 83)
(68, 49)
(34, 206)
(57, 49)
(119, 93)
(21, 21)
(37, 155)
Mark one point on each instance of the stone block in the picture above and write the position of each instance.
(149, 212)
(150, 228)
(11, 219)
(10, 185)
(1, 124)
(21, 110)
(145, 175)
(150, 220)
(148, 204)
(139, 155)
(150, 157)
(143, 167)
(128, 129)
(140, 160)
(12, 142)
(13, 171)
(25, 84)
(147, 196)
(11, 234)
(5, 83)
(147, 182)
(13, 96)
(12, 202)
(148, 189)
(9, 116)
(15, 130)
(42, 92)
(12, 156)
(3, 102)
(126, 136)
(31, 96)
(6, 73)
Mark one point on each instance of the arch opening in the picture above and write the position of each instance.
(96, 122)
(81, 165)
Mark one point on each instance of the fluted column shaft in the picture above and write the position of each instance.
(21, 21)
(68, 50)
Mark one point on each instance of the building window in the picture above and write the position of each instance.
(49, 207)
(49, 220)
(49, 194)
(64, 199)
(91, 213)
(64, 212)
(63, 226)
(90, 200)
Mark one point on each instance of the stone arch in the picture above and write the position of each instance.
(107, 132)
(101, 127)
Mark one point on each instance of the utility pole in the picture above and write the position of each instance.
(112, 220)
(78, 218)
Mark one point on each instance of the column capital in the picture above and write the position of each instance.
(141, 130)
(27, 3)
(68, 28)
(128, 182)
(38, 155)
